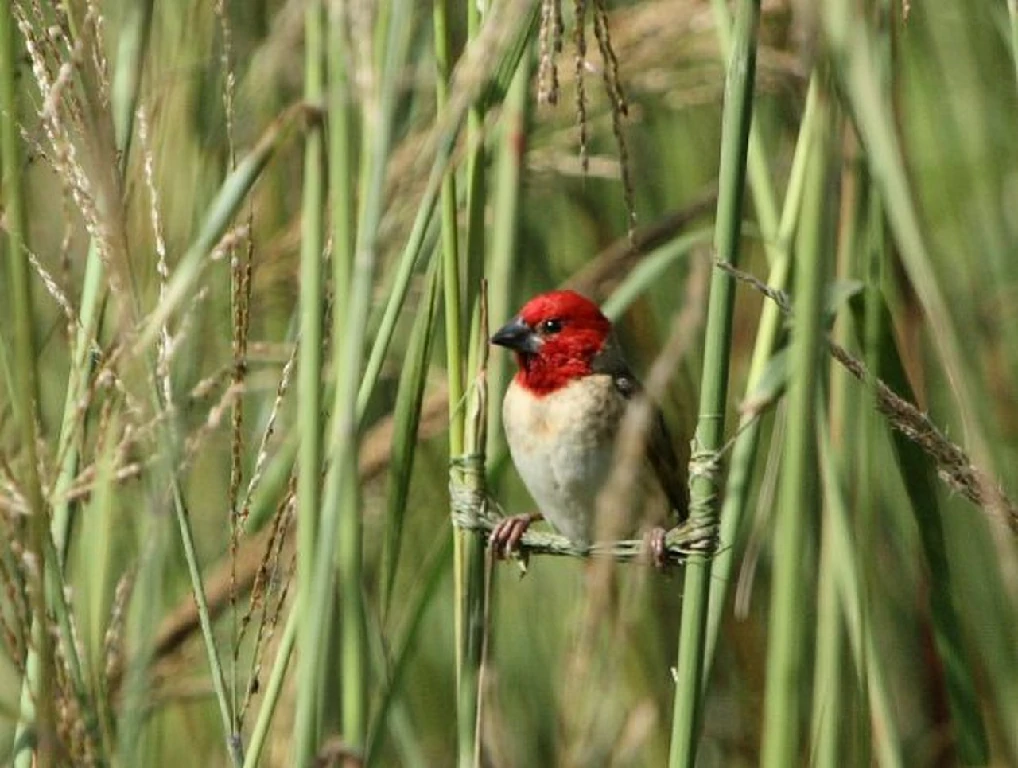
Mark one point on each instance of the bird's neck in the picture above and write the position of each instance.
(541, 375)
(563, 361)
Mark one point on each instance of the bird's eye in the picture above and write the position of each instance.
(550, 326)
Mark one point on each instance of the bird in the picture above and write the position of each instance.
(561, 414)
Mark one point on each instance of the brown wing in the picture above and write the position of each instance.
(669, 470)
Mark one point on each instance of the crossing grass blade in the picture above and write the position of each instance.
(797, 516)
(407, 414)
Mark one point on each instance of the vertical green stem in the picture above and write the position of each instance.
(272, 691)
(450, 242)
(476, 196)
(869, 675)
(512, 145)
(340, 538)
(215, 666)
(131, 45)
(81, 367)
(352, 270)
(757, 166)
(829, 690)
(472, 573)
(342, 165)
(848, 416)
(797, 511)
(704, 484)
(871, 261)
(38, 703)
(152, 542)
(306, 724)
(451, 302)
(768, 330)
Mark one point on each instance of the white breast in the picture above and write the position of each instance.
(562, 445)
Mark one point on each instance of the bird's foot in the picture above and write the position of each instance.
(654, 543)
(507, 533)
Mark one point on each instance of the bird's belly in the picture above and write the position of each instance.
(565, 486)
(563, 453)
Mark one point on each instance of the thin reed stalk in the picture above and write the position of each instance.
(342, 157)
(758, 171)
(472, 550)
(153, 545)
(798, 512)
(829, 689)
(850, 423)
(406, 420)
(505, 237)
(267, 709)
(737, 488)
(455, 364)
(37, 703)
(309, 389)
(870, 673)
(704, 463)
(342, 538)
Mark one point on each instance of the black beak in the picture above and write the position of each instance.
(518, 336)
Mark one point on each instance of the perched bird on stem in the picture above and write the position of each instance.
(562, 413)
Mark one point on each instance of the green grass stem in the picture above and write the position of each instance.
(307, 722)
(737, 489)
(407, 637)
(267, 709)
(798, 513)
(36, 701)
(406, 414)
(472, 591)
(758, 171)
(704, 482)
(341, 542)
(869, 666)
(453, 313)
(506, 204)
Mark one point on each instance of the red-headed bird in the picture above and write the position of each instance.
(562, 413)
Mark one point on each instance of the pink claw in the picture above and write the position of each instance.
(506, 536)
(655, 542)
